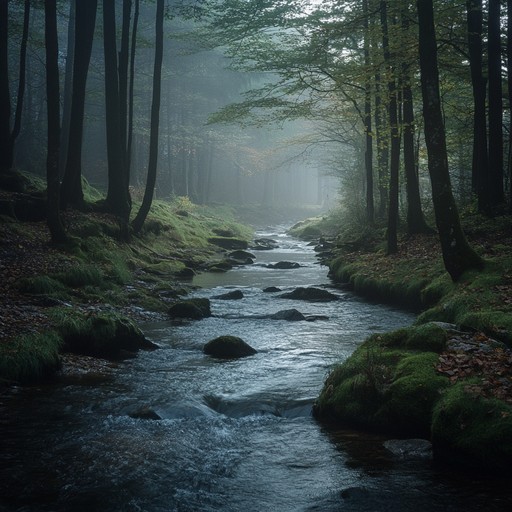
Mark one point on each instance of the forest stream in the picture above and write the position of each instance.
(234, 435)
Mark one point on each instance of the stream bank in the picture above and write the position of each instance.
(231, 434)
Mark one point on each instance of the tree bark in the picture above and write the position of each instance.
(8, 137)
(496, 189)
(138, 222)
(68, 84)
(392, 230)
(53, 103)
(368, 154)
(71, 188)
(458, 256)
(480, 165)
(131, 89)
(118, 197)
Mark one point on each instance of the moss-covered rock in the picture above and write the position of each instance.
(473, 429)
(228, 242)
(102, 335)
(385, 385)
(228, 347)
(195, 308)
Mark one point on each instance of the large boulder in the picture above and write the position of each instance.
(310, 294)
(103, 335)
(241, 255)
(228, 242)
(234, 295)
(228, 347)
(292, 315)
(195, 309)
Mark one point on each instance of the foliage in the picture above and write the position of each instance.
(30, 358)
(385, 386)
(473, 429)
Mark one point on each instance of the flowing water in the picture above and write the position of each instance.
(234, 435)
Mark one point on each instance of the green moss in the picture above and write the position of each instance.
(99, 334)
(81, 275)
(30, 358)
(386, 384)
(41, 285)
(473, 429)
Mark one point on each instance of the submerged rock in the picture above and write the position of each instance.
(264, 244)
(234, 295)
(284, 265)
(310, 294)
(195, 308)
(272, 289)
(409, 448)
(228, 347)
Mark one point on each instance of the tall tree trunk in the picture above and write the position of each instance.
(458, 256)
(509, 81)
(131, 89)
(138, 222)
(124, 55)
(52, 98)
(392, 231)
(415, 219)
(118, 196)
(495, 106)
(68, 82)
(480, 165)
(368, 154)
(71, 188)
(8, 137)
(382, 149)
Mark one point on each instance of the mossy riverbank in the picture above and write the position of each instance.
(87, 296)
(447, 378)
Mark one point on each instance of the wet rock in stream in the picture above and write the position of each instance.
(228, 347)
(310, 294)
(234, 295)
(195, 309)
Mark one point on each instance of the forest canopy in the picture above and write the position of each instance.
(397, 111)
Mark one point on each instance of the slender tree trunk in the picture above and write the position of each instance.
(368, 155)
(480, 165)
(8, 137)
(124, 55)
(131, 89)
(52, 98)
(392, 231)
(138, 222)
(495, 106)
(118, 197)
(458, 256)
(71, 188)
(68, 81)
(509, 76)
(382, 149)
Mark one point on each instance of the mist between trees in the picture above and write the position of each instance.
(387, 107)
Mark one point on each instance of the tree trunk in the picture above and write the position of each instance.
(138, 222)
(480, 165)
(52, 98)
(394, 164)
(71, 188)
(68, 81)
(509, 76)
(8, 138)
(458, 256)
(124, 55)
(382, 149)
(118, 197)
(368, 154)
(495, 107)
(131, 89)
